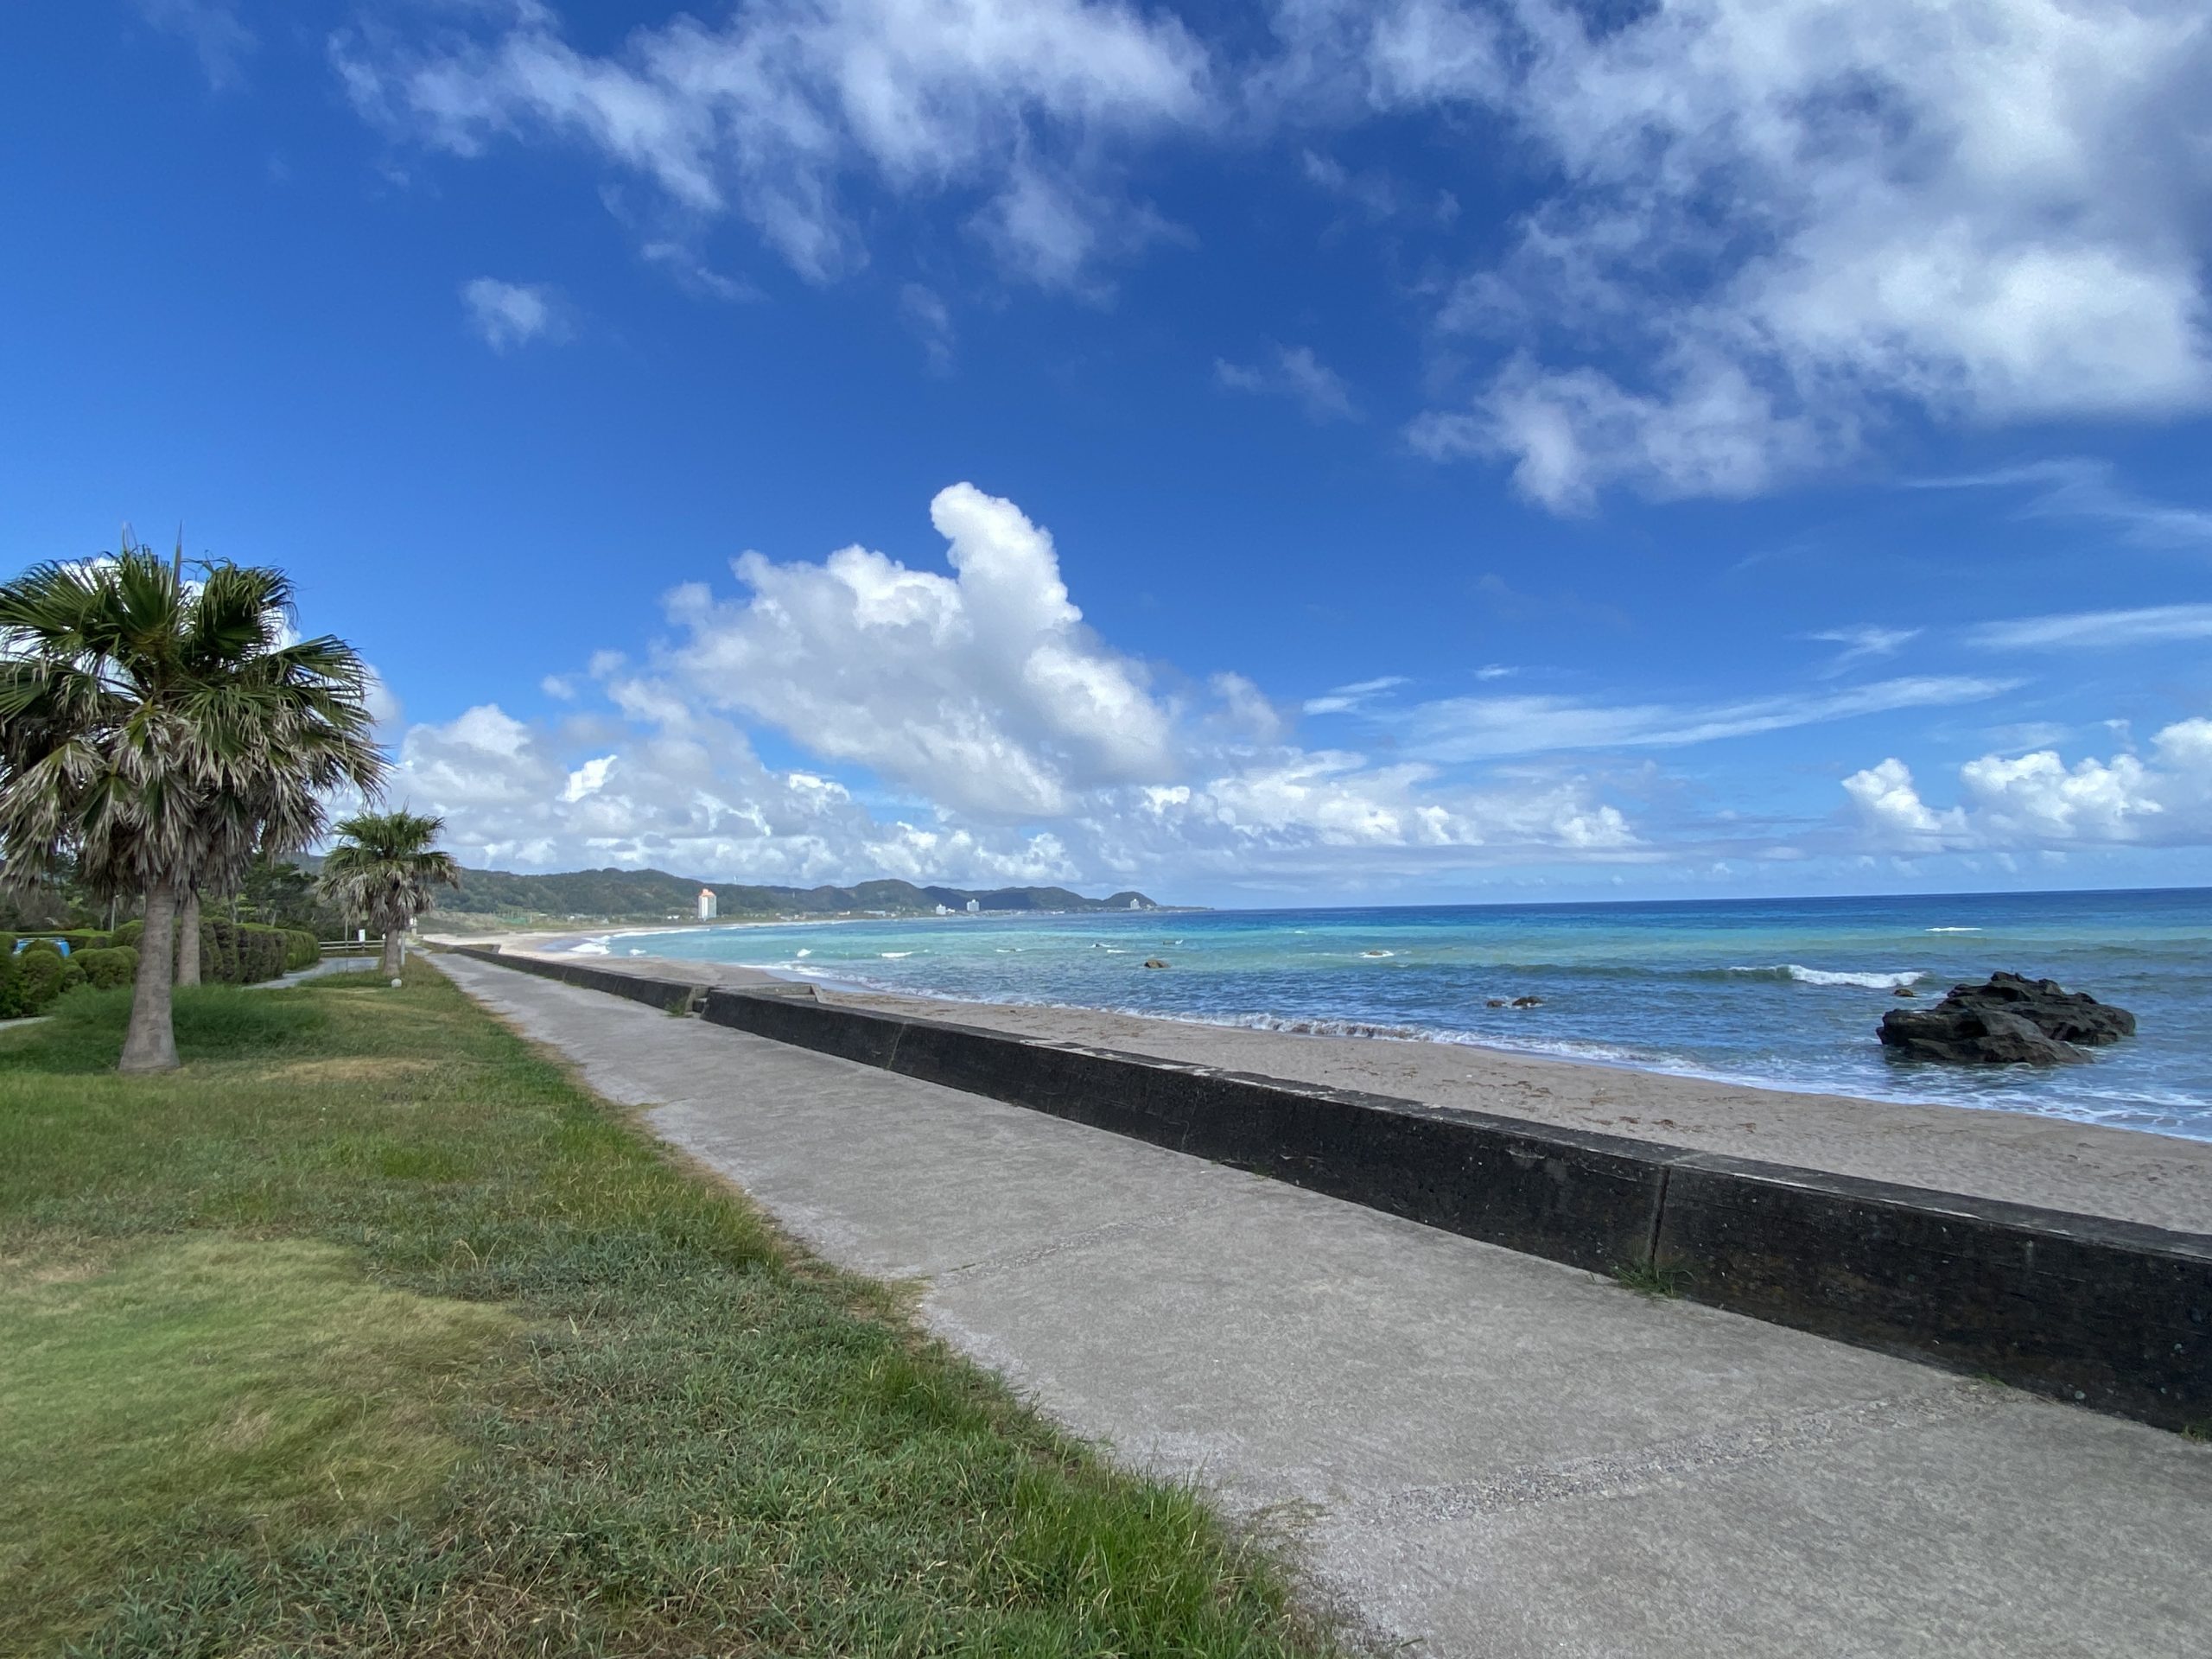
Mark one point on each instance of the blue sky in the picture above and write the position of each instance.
(1379, 453)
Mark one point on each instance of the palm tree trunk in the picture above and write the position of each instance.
(188, 938)
(390, 968)
(151, 1043)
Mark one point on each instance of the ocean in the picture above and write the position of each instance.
(1783, 993)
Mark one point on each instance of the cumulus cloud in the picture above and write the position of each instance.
(1007, 743)
(778, 114)
(685, 794)
(981, 689)
(2038, 800)
(510, 314)
(1773, 221)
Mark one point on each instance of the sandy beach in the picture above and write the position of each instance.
(2054, 1163)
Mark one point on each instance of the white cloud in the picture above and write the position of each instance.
(775, 113)
(691, 796)
(1864, 643)
(927, 315)
(509, 314)
(2037, 800)
(213, 31)
(1344, 698)
(2096, 630)
(1470, 728)
(981, 689)
(1773, 220)
(695, 275)
(1031, 749)
(1293, 372)
(1892, 812)
(2074, 487)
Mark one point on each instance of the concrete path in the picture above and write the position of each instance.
(1483, 1453)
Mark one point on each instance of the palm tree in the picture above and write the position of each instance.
(382, 868)
(150, 726)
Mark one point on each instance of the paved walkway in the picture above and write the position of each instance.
(1484, 1453)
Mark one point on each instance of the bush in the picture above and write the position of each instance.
(218, 950)
(45, 974)
(130, 933)
(11, 981)
(86, 938)
(105, 969)
(260, 952)
(301, 950)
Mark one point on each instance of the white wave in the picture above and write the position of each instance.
(1804, 976)
(893, 956)
(802, 953)
(635, 951)
(588, 948)
(1954, 930)
(1378, 953)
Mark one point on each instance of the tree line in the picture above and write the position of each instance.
(169, 741)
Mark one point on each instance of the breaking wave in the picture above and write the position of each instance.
(1802, 975)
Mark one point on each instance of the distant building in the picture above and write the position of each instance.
(709, 907)
(945, 909)
(973, 906)
(1136, 903)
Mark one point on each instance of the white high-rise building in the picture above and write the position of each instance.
(973, 906)
(709, 907)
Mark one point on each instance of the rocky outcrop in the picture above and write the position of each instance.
(2012, 1021)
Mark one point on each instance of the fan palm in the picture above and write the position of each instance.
(384, 869)
(150, 727)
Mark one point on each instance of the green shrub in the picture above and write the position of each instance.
(105, 969)
(130, 933)
(12, 1005)
(46, 973)
(86, 938)
(218, 950)
(301, 950)
(260, 952)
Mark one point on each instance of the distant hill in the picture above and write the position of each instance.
(655, 895)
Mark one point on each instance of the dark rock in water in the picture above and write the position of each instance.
(2070, 1016)
(1905, 990)
(1154, 961)
(1969, 1035)
(2012, 1021)
(1497, 1002)
(1528, 1002)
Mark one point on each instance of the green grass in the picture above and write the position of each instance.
(1646, 1279)
(372, 1332)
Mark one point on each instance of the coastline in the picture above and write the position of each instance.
(2053, 1163)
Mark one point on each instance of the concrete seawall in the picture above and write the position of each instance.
(2112, 1314)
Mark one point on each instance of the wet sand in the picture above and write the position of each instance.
(2051, 1162)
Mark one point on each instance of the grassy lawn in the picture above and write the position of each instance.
(372, 1331)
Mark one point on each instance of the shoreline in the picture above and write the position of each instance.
(2051, 1163)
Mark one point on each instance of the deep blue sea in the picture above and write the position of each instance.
(1784, 994)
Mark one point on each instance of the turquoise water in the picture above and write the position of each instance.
(1781, 993)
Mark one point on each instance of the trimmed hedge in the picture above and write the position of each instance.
(104, 969)
(242, 953)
